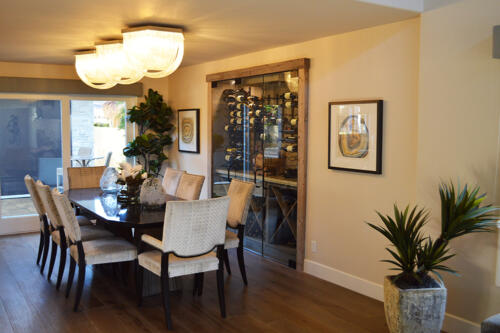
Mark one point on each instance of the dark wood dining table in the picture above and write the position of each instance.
(129, 221)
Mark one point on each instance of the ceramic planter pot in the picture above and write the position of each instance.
(152, 193)
(414, 310)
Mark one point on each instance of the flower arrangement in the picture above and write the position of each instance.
(133, 177)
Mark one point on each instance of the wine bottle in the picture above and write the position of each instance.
(288, 95)
(253, 99)
(294, 121)
(236, 121)
(241, 106)
(233, 114)
(290, 148)
(289, 104)
(233, 128)
(260, 113)
(241, 98)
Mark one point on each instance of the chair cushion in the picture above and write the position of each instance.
(106, 250)
(82, 220)
(232, 240)
(89, 232)
(491, 324)
(151, 260)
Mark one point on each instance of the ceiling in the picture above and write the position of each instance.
(48, 31)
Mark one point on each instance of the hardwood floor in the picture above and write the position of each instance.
(277, 299)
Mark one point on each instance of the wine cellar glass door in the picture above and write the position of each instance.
(255, 138)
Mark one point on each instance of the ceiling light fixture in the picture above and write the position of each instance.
(119, 66)
(158, 49)
(145, 51)
(92, 71)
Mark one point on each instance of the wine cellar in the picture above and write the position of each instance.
(258, 134)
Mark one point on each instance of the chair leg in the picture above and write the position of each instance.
(40, 249)
(165, 291)
(196, 283)
(46, 242)
(79, 286)
(62, 264)
(71, 275)
(220, 290)
(241, 263)
(53, 255)
(139, 278)
(200, 284)
(226, 261)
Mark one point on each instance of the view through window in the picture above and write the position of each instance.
(98, 132)
(30, 144)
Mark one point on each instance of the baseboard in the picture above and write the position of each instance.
(452, 323)
(19, 225)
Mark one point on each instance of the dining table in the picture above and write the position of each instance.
(130, 221)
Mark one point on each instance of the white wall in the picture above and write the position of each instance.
(458, 123)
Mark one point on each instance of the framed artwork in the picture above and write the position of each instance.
(188, 124)
(355, 136)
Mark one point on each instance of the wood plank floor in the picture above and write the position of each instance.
(278, 299)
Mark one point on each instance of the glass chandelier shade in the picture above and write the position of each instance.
(119, 66)
(145, 51)
(159, 50)
(92, 71)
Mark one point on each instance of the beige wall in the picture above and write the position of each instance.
(43, 71)
(459, 104)
(380, 62)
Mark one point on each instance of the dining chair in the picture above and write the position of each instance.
(44, 227)
(171, 180)
(85, 177)
(191, 231)
(58, 236)
(93, 252)
(108, 159)
(240, 193)
(189, 186)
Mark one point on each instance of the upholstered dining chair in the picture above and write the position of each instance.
(93, 252)
(44, 227)
(87, 177)
(191, 231)
(190, 186)
(59, 239)
(240, 193)
(171, 180)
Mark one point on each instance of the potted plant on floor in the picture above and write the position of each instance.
(415, 299)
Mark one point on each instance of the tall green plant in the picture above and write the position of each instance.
(416, 255)
(153, 119)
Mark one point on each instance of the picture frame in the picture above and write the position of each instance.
(355, 136)
(188, 129)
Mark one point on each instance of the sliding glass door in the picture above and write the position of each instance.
(39, 134)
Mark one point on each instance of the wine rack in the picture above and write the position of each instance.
(256, 122)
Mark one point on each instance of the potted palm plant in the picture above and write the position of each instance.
(415, 299)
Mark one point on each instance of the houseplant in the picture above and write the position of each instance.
(415, 299)
(153, 118)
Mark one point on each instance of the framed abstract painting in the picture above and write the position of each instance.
(188, 125)
(355, 136)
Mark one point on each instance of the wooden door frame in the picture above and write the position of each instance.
(302, 66)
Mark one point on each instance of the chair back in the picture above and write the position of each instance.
(85, 151)
(190, 186)
(194, 227)
(108, 159)
(171, 180)
(35, 197)
(48, 203)
(67, 214)
(240, 193)
(88, 177)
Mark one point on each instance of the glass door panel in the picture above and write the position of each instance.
(280, 92)
(30, 144)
